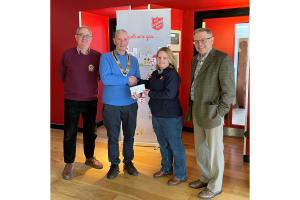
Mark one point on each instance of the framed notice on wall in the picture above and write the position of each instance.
(175, 40)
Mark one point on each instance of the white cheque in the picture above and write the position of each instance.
(137, 89)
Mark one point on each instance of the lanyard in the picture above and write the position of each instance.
(124, 72)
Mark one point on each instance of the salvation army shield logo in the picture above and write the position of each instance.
(157, 23)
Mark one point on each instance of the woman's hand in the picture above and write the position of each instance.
(146, 92)
(136, 96)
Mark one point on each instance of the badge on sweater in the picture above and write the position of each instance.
(91, 68)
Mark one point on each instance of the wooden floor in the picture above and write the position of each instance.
(92, 184)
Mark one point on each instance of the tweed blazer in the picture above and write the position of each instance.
(214, 89)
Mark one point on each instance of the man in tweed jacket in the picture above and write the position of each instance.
(212, 92)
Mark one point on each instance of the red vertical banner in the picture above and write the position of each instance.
(99, 26)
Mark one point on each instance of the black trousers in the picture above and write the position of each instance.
(88, 110)
(112, 118)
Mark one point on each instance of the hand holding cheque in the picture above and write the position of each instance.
(136, 91)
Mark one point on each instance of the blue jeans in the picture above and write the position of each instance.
(168, 132)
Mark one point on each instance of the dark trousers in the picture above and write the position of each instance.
(88, 110)
(112, 118)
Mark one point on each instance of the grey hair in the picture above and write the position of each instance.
(208, 31)
(82, 27)
(120, 31)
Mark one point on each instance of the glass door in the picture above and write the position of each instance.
(241, 57)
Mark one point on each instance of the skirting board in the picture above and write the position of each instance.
(233, 132)
(61, 126)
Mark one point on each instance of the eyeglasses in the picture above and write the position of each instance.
(202, 41)
(84, 36)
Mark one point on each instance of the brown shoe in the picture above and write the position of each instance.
(160, 174)
(67, 173)
(93, 162)
(207, 194)
(197, 184)
(175, 181)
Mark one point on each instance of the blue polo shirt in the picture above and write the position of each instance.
(115, 86)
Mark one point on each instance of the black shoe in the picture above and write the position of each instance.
(113, 171)
(129, 167)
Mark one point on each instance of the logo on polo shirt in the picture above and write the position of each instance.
(91, 68)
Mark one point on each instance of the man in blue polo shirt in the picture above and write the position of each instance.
(118, 71)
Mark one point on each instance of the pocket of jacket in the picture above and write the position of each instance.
(211, 111)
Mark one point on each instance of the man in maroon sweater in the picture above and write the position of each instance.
(78, 70)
